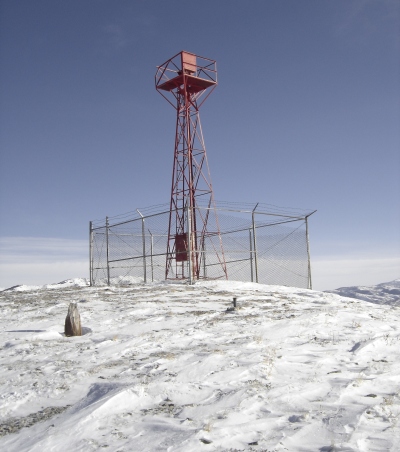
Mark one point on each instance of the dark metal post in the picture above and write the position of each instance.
(204, 260)
(144, 248)
(151, 255)
(189, 239)
(108, 253)
(90, 254)
(251, 255)
(255, 242)
(308, 256)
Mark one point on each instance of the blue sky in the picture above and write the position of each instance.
(306, 114)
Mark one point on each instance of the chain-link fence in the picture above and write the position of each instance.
(260, 243)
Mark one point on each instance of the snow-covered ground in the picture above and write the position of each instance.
(166, 367)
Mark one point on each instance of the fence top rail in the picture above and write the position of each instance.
(140, 218)
(131, 220)
(298, 216)
(132, 215)
(257, 226)
(222, 232)
(263, 208)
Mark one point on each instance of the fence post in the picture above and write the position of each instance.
(255, 242)
(144, 248)
(90, 254)
(189, 234)
(108, 251)
(151, 255)
(308, 256)
(251, 256)
(204, 259)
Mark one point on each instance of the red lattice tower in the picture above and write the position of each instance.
(194, 248)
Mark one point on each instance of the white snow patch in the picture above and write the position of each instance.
(167, 367)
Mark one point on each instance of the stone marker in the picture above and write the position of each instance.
(73, 321)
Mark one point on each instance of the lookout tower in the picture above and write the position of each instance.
(185, 81)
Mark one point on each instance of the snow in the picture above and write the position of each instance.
(168, 367)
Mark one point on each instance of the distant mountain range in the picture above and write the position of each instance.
(385, 293)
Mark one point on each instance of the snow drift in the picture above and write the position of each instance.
(169, 367)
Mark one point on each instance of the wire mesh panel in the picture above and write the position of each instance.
(98, 262)
(282, 257)
(125, 252)
(235, 235)
(268, 246)
(156, 238)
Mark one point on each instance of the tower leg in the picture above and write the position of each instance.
(191, 188)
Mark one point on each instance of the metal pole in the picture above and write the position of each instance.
(90, 254)
(108, 255)
(308, 256)
(255, 242)
(151, 255)
(144, 247)
(204, 259)
(251, 256)
(189, 234)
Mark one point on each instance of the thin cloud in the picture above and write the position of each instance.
(116, 36)
(131, 31)
(17, 249)
(40, 273)
(40, 260)
(331, 273)
(368, 16)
